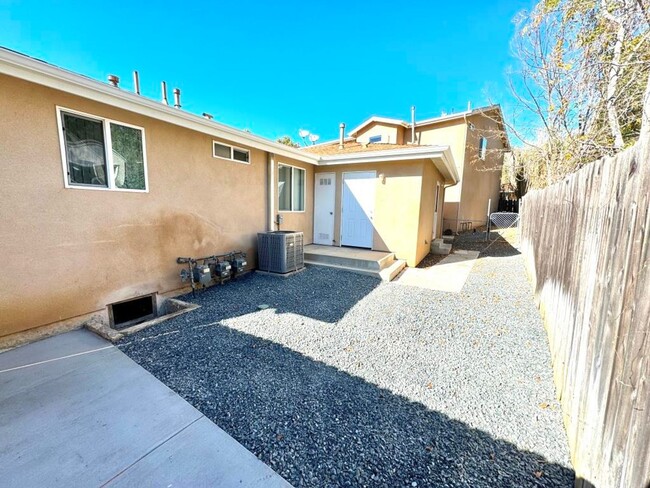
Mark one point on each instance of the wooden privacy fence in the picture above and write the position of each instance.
(585, 241)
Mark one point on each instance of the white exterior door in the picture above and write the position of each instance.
(324, 193)
(357, 208)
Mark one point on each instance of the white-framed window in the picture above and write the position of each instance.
(291, 188)
(220, 150)
(374, 139)
(100, 153)
(482, 147)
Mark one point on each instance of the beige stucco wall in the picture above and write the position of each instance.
(430, 177)
(402, 218)
(298, 221)
(69, 252)
(391, 134)
(481, 179)
(451, 133)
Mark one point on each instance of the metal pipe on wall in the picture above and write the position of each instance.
(270, 192)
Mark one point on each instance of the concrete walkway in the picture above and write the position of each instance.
(76, 411)
(449, 275)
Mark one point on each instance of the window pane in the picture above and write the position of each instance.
(240, 155)
(221, 151)
(482, 148)
(284, 188)
(128, 157)
(298, 189)
(85, 150)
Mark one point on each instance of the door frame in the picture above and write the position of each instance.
(372, 239)
(436, 211)
(316, 176)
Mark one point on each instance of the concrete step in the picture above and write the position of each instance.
(390, 272)
(438, 246)
(349, 261)
(386, 274)
(448, 239)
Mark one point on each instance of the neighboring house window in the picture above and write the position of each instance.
(375, 139)
(85, 140)
(482, 148)
(291, 188)
(230, 152)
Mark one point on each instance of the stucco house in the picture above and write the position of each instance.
(477, 140)
(104, 188)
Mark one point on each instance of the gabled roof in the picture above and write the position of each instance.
(487, 110)
(42, 73)
(381, 120)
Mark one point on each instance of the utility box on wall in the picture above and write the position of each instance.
(280, 251)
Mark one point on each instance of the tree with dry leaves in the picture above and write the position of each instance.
(584, 67)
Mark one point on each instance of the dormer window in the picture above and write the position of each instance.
(374, 139)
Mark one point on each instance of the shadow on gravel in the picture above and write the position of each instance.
(495, 246)
(316, 292)
(319, 426)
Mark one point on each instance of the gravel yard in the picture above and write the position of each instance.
(344, 381)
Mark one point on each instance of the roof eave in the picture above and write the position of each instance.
(41, 73)
(440, 155)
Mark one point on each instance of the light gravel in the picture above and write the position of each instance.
(344, 381)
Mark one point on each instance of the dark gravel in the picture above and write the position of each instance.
(344, 381)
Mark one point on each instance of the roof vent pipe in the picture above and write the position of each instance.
(207, 115)
(177, 98)
(341, 134)
(163, 87)
(136, 82)
(114, 80)
(412, 124)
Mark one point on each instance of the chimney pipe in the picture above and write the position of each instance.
(341, 134)
(207, 115)
(114, 80)
(136, 82)
(412, 124)
(163, 87)
(177, 98)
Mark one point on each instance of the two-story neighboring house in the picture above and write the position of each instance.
(477, 140)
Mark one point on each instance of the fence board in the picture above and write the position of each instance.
(585, 241)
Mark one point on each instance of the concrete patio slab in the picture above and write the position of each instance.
(448, 275)
(76, 411)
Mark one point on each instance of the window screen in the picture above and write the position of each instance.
(85, 150)
(222, 151)
(284, 188)
(240, 155)
(298, 190)
(128, 157)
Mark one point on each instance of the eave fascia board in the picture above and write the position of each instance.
(440, 155)
(41, 73)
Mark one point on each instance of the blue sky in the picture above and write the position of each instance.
(275, 67)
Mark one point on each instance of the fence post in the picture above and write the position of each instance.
(487, 227)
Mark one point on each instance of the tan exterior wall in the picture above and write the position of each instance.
(452, 133)
(70, 252)
(298, 221)
(481, 179)
(430, 177)
(403, 216)
(391, 134)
